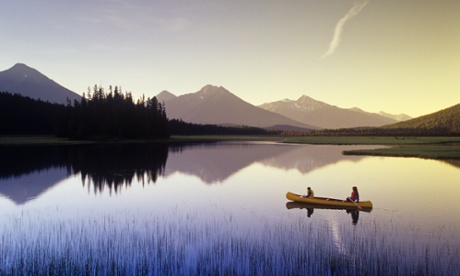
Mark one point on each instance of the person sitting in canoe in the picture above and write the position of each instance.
(354, 197)
(310, 193)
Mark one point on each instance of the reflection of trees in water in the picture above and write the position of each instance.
(19, 160)
(117, 166)
(99, 165)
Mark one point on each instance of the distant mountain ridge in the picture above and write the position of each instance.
(213, 105)
(26, 81)
(216, 105)
(398, 117)
(310, 111)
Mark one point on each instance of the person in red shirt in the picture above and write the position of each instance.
(354, 197)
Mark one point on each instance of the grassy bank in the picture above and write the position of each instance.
(315, 140)
(56, 141)
(36, 140)
(371, 140)
(423, 147)
(421, 151)
(52, 140)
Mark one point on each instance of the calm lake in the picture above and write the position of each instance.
(220, 208)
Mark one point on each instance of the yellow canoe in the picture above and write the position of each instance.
(327, 201)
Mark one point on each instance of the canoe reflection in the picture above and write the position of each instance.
(310, 208)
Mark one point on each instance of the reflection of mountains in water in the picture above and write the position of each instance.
(215, 163)
(26, 172)
(21, 189)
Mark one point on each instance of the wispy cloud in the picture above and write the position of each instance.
(357, 7)
(131, 16)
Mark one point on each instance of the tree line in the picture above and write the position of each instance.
(103, 114)
(25, 116)
(179, 127)
(99, 114)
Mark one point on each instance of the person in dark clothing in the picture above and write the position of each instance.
(310, 193)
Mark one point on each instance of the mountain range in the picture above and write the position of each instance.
(311, 111)
(213, 105)
(216, 105)
(26, 81)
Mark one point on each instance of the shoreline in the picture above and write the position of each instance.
(440, 148)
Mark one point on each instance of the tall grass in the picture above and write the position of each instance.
(187, 244)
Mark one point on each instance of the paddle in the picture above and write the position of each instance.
(357, 205)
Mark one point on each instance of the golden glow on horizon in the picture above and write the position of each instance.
(395, 56)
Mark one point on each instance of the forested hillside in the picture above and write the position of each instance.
(98, 115)
(444, 121)
(25, 116)
(113, 114)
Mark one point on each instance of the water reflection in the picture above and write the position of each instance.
(23, 188)
(354, 216)
(310, 208)
(216, 163)
(18, 161)
(117, 166)
(182, 225)
(26, 172)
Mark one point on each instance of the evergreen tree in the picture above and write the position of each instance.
(114, 114)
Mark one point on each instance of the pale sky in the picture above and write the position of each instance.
(397, 56)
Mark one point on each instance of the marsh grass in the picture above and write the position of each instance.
(315, 140)
(186, 244)
(372, 140)
(25, 140)
(420, 151)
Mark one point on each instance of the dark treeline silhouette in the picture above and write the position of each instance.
(100, 166)
(179, 127)
(102, 114)
(26, 116)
